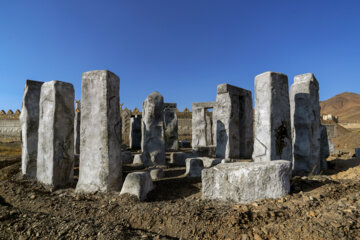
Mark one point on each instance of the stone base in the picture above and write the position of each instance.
(246, 182)
(138, 184)
(178, 158)
(126, 157)
(156, 173)
(194, 166)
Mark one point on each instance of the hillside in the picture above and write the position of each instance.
(345, 105)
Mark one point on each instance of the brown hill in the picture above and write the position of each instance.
(345, 105)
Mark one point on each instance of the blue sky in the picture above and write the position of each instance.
(181, 48)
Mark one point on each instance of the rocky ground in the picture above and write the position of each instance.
(318, 207)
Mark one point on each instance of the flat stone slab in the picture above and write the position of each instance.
(138, 184)
(194, 166)
(243, 182)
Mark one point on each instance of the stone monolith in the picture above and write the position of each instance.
(152, 130)
(171, 127)
(29, 119)
(135, 132)
(202, 124)
(272, 128)
(77, 122)
(100, 157)
(55, 159)
(233, 120)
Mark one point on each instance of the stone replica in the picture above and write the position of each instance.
(77, 128)
(305, 124)
(55, 158)
(138, 184)
(171, 127)
(233, 120)
(357, 153)
(324, 148)
(126, 157)
(246, 182)
(156, 173)
(29, 120)
(152, 130)
(135, 132)
(100, 158)
(210, 162)
(138, 159)
(178, 158)
(125, 126)
(194, 166)
(202, 125)
(272, 118)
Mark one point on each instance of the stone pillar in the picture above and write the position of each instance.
(152, 130)
(233, 119)
(55, 159)
(171, 127)
(272, 126)
(100, 157)
(135, 132)
(324, 148)
(202, 125)
(77, 121)
(29, 119)
(305, 124)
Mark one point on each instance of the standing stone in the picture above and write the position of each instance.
(152, 130)
(125, 126)
(202, 129)
(135, 132)
(305, 124)
(324, 148)
(171, 127)
(29, 119)
(55, 159)
(77, 121)
(272, 118)
(100, 157)
(233, 119)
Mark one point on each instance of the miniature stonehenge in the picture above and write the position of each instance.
(241, 155)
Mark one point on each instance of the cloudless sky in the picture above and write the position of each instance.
(181, 48)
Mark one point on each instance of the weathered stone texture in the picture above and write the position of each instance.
(194, 166)
(305, 124)
(152, 130)
(245, 182)
(100, 158)
(55, 158)
(233, 120)
(138, 184)
(202, 125)
(272, 118)
(324, 148)
(29, 120)
(77, 122)
(171, 127)
(125, 126)
(135, 132)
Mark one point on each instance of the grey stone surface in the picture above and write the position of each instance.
(208, 151)
(138, 159)
(210, 162)
(305, 124)
(55, 158)
(178, 158)
(272, 128)
(357, 153)
(331, 147)
(171, 127)
(138, 184)
(100, 158)
(156, 173)
(194, 166)
(245, 182)
(126, 157)
(135, 132)
(152, 130)
(29, 120)
(77, 122)
(202, 125)
(233, 121)
(324, 148)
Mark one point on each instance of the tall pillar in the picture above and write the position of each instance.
(77, 122)
(171, 127)
(135, 132)
(55, 159)
(100, 155)
(272, 126)
(29, 119)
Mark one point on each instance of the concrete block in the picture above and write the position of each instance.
(138, 159)
(135, 132)
(156, 173)
(246, 182)
(100, 144)
(138, 184)
(272, 126)
(194, 166)
(29, 120)
(178, 158)
(55, 158)
(171, 127)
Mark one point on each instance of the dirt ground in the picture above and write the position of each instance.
(318, 207)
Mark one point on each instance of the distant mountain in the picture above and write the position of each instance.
(345, 105)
